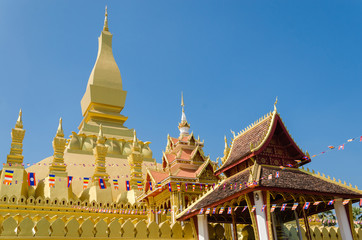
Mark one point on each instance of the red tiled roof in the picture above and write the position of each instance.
(158, 176)
(170, 157)
(288, 180)
(185, 173)
(186, 154)
(241, 145)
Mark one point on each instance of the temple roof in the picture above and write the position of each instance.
(254, 139)
(289, 180)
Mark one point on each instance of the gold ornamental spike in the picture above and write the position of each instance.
(105, 27)
(19, 122)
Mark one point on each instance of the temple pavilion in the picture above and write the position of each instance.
(266, 187)
(186, 173)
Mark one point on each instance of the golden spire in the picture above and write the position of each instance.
(275, 104)
(19, 122)
(60, 132)
(105, 27)
(184, 126)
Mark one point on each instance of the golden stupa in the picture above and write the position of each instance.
(102, 103)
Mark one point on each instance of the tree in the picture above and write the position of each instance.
(328, 218)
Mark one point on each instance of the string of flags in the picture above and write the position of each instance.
(273, 207)
(339, 147)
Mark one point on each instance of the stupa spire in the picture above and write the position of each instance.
(19, 122)
(104, 97)
(58, 167)
(17, 137)
(184, 126)
(105, 27)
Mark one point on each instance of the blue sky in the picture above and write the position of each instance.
(230, 58)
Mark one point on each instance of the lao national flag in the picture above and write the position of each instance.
(201, 211)
(185, 186)
(244, 208)
(128, 186)
(151, 188)
(70, 178)
(102, 184)
(331, 202)
(276, 174)
(229, 210)
(283, 207)
(169, 187)
(31, 179)
(306, 205)
(214, 210)
(341, 147)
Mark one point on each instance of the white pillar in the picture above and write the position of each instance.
(260, 216)
(202, 226)
(343, 221)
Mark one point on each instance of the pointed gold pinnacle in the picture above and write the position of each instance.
(105, 27)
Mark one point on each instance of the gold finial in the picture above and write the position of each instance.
(100, 133)
(60, 132)
(19, 122)
(182, 100)
(275, 104)
(105, 27)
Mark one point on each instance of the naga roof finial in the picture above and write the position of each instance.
(275, 104)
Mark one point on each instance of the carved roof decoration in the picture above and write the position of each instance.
(255, 138)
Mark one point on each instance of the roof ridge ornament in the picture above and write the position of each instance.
(275, 104)
(105, 27)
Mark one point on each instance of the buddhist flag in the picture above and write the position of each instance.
(206, 186)
(229, 210)
(244, 208)
(240, 186)
(8, 177)
(85, 182)
(70, 178)
(201, 211)
(178, 186)
(341, 147)
(272, 209)
(214, 209)
(316, 203)
(151, 188)
(253, 209)
(345, 202)
(207, 211)
(193, 187)
(331, 147)
(283, 207)
(115, 184)
(159, 186)
(276, 174)
(139, 185)
(128, 186)
(231, 186)
(221, 210)
(169, 187)
(236, 208)
(51, 180)
(306, 205)
(31, 179)
(295, 205)
(350, 140)
(331, 202)
(270, 176)
(102, 184)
